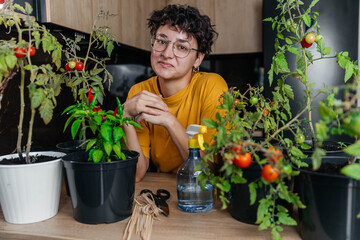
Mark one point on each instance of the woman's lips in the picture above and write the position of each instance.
(165, 64)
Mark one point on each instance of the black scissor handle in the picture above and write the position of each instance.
(146, 191)
(164, 194)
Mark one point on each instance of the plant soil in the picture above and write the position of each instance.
(34, 159)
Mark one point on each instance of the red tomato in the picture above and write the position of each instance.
(32, 51)
(243, 161)
(19, 52)
(2, 1)
(266, 111)
(269, 173)
(304, 44)
(67, 67)
(79, 66)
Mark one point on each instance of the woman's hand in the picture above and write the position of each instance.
(144, 103)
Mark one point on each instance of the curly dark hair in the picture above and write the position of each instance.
(188, 19)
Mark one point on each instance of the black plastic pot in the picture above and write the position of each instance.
(70, 146)
(332, 203)
(101, 192)
(240, 208)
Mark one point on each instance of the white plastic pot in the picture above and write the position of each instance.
(30, 192)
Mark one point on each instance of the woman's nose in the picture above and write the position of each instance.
(169, 51)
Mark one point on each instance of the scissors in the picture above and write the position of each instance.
(160, 199)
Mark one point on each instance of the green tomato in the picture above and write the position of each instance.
(254, 100)
(72, 64)
(318, 38)
(299, 138)
(287, 169)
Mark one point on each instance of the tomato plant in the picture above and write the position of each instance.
(243, 160)
(269, 173)
(79, 66)
(19, 52)
(310, 38)
(32, 50)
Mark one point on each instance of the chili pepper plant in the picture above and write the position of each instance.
(109, 138)
(16, 54)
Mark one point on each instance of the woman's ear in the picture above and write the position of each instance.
(199, 59)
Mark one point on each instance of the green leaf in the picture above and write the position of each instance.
(293, 50)
(275, 234)
(108, 147)
(90, 144)
(353, 149)
(307, 19)
(285, 219)
(37, 98)
(209, 123)
(316, 157)
(117, 149)
(20, 8)
(252, 190)
(281, 63)
(75, 127)
(288, 91)
(352, 171)
(118, 133)
(106, 132)
(327, 51)
(271, 74)
(263, 208)
(321, 130)
(46, 110)
(288, 41)
(349, 70)
(97, 155)
(320, 46)
(28, 8)
(10, 60)
(110, 48)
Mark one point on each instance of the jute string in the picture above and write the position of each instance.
(144, 213)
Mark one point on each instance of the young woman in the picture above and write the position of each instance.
(178, 95)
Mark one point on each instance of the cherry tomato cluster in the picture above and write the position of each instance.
(240, 159)
(20, 52)
(309, 39)
(274, 154)
(72, 64)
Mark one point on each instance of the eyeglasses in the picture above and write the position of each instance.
(181, 48)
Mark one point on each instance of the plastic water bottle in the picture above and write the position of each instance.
(191, 198)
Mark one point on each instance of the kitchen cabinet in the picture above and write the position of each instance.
(77, 15)
(238, 22)
(130, 24)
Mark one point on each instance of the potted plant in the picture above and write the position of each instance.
(283, 143)
(33, 178)
(102, 179)
(319, 219)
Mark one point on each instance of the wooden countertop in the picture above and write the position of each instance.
(215, 224)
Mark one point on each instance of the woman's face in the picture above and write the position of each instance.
(166, 65)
